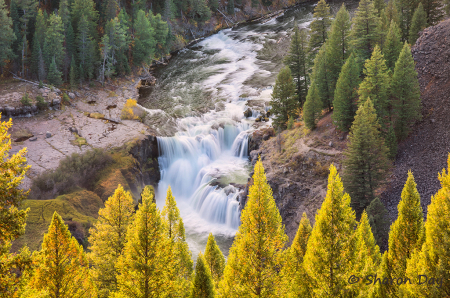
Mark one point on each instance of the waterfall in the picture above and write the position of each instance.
(194, 162)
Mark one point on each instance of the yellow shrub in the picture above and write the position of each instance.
(130, 111)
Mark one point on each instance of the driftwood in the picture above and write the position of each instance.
(30, 82)
(225, 16)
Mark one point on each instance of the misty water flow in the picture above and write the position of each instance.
(197, 109)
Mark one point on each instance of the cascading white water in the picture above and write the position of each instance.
(198, 104)
(191, 164)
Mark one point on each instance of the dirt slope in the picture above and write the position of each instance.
(425, 151)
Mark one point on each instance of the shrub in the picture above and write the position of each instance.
(66, 99)
(77, 170)
(41, 85)
(26, 101)
(131, 111)
(290, 123)
(40, 102)
(91, 84)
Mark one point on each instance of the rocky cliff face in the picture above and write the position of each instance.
(146, 154)
(426, 150)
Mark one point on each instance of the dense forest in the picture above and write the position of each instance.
(74, 41)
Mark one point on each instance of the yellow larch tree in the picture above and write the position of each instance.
(107, 239)
(146, 267)
(174, 230)
(61, 268)
(202, 285)
(12, 219)
(215, 259)
(296, 282)
(256, 256)
(330, 254)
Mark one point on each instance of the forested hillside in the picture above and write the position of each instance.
(75, 41)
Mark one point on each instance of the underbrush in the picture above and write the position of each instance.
(77, 170)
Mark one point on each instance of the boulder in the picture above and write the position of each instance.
(71, 95)
(258, 119)
(48, 135)
(33, 139)
(248, 113)
(56, 103)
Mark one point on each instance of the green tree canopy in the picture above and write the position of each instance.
(418, 23)
(284, 103)
(392, 46)
(319, 27)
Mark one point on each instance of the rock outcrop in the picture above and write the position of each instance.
(426, 150)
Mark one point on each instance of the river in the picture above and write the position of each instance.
(197, 109)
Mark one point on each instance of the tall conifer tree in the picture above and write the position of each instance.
(144, 41)
(296, 282)
(62, 268)
(418, 23)
(407, 235)
(366, 159)
(379, 221)
(312, 110)
(392, 46)
(330, 254)
(405, 10)
(38, 40)
(376, 86)
(365, 30)
(214, 259)
(392, 13)
(431, 259)
(434, 10)
(319, 27)
(256, 255)
(146, 267)
(54, 75)
(297, 60)
(202, 285)
(346, 95)
(107, 239)
(284, 103)
(405, 93)
(337, 50)
(379, 6)
(322, 76)
(86, 50)
(174, 230)
(54, 42)
(7, 35)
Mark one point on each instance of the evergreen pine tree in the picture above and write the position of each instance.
(407, 235)
(405, 10)
(368, 256)
(379, 6)
(200, 11)
(365, 30)
(110, 9)
(392, 13)
(12, 217)
(297, 61)
(174, 230)
(337, 50)
(54, 75)
(366, 159)
(256, 255)
(64, 12)
(25, 11)
(213, 5)
(73, 73)
(41, 67)
(405, 93)
(146, 266)
(86, 49)
(70, 41)
(322, 76)
(391, 142)
(330, 254)
(214, 259)
(54, 42)
(346, 95)
(107, 239)
(115, 41)
(312, 108)
(378, 219)
(376, 86)
(434, 10)
(161, 32)
(432, 259)
(144, 42)
(296, 282)
(62, 268)
(230, 7)
(392, 46)
(85, 9)
(38, 40)
(319, 27)
(418, 23)
(7, 36)
(202, 285)
(284, 103)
